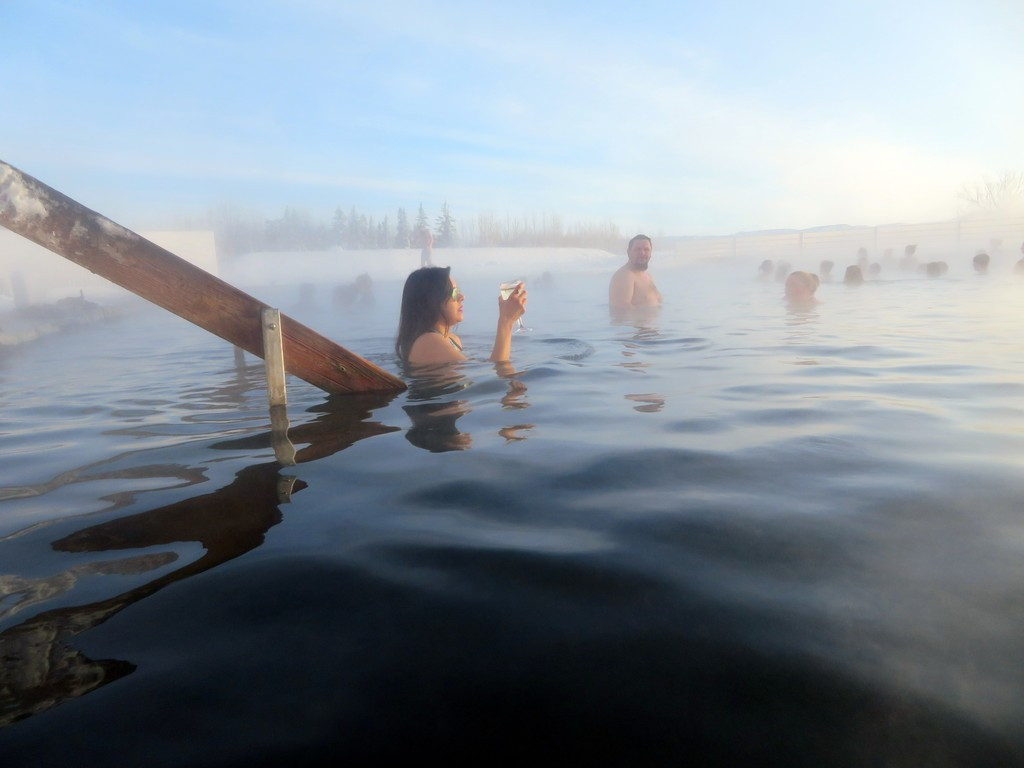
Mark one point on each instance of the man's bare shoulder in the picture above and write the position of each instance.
(620, 289)
(623, 277)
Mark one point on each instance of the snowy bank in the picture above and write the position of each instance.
(294, 267)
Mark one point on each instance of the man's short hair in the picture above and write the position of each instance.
(638, 237)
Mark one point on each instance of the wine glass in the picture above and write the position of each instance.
(506, 289)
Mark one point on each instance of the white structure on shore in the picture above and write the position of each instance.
(30, 274)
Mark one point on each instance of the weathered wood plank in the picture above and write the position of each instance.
(58, 223)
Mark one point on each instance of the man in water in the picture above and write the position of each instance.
(631, 285)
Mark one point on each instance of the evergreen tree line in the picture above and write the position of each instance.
(241, 232)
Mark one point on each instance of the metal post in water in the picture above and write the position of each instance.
(273, 355)
(284, 450)
(277, 391)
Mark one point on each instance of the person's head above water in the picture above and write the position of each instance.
(639, 252)
(432, 306)
(429, 300)
(800, 287)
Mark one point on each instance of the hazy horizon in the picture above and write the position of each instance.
(668, 119)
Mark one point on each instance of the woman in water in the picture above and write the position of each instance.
(432, 306)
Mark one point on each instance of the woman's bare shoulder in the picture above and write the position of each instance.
(432, 347)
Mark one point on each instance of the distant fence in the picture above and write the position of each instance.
(945, 240)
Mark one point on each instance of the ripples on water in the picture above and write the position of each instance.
(721, 533)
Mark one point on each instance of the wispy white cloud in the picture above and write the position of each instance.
(669, 116)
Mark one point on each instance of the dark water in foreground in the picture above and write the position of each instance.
(723, 534)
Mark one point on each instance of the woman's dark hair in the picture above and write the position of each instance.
(423, 299)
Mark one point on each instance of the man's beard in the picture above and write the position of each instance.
(638, 267)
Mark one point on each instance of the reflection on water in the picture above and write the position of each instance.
(433, 426)
(636, 317)
(799, 313)
(650, 403)
(784, 537)
(341, 421)
(515, 433)
(21, 593)
(41, 670)
(514, 398)
(88, 473)
(433, 382)
(434, 422)
(645, 331)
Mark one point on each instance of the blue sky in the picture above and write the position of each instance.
(666, 117)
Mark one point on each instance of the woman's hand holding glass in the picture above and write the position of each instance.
(512, 302)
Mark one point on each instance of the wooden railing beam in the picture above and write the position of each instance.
(69, 229)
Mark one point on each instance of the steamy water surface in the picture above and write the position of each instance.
(724, 532)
